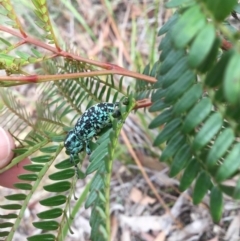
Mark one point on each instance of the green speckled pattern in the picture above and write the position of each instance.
(88, 126)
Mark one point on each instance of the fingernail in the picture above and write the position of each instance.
(6, 146)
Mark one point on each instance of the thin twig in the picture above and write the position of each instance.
(150, 184)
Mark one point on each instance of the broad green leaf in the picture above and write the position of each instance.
(9, 216)
(96, 164)
(49, 149)
(220, 9)
(211, 57)
(168, 130)
(220, 146)
(188, 99)
(41, 159)
(61, 175)
(65, 164)
(180, 160)
(54, 201)
(158, 105)
(23, 186)
(229, 190)
(160, 93)
(58, 187)
(50, 214)
(16, 197)
(171, 21)
(216, 74)
(174, 144)
(177, 89)
(42, 237)
(4, 234)
(171, 60)
(33, 167)
(189, 174)
(230, 165)
(190, 23)
(208, 131)
(197, 114)
(28, 177)
(180, 67)
(46, 225)
(202, 185)
(232, 79)
(165, 44)
(11, 206)
(6, 225)
(201, 46)
(216, 204)
(162, 118)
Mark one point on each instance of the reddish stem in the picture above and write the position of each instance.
(113, 69)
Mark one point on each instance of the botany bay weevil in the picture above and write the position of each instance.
(88, 126)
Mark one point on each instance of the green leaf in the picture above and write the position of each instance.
(216, 204)
(23, 186)
(165, 44)
(188, 99)
(173, 146)
(197, 114)
(232, 79)
(190, 23)
(4, 234)
(170, 60)
(54, 201)
(49, 149)
(162, 118)
(202, 185)
(6, 225)
(49, 214)
(158, 105)
(177, 3)
(220, 9)
(230, 165)
(189, 174)
(169, 130)
(211, 57)
(42, 237)
(160, 93)
(177, 89)
(41, 159)
(171, 22)
(58, 187)
(208, 131)
(28, 177)
(16, 197)
(202, 44)
(9, 216)
(180, 67)
(46, 225)
(220, 146)
(180, 160)
(61, 175)
(229, 190)
(11, 206)
(33, 167)
(64, 164)
(216, 74)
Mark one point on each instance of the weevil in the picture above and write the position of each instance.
(88, 126)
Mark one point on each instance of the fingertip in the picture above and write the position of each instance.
(6, 147)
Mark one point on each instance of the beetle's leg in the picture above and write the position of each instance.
(88, 150)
